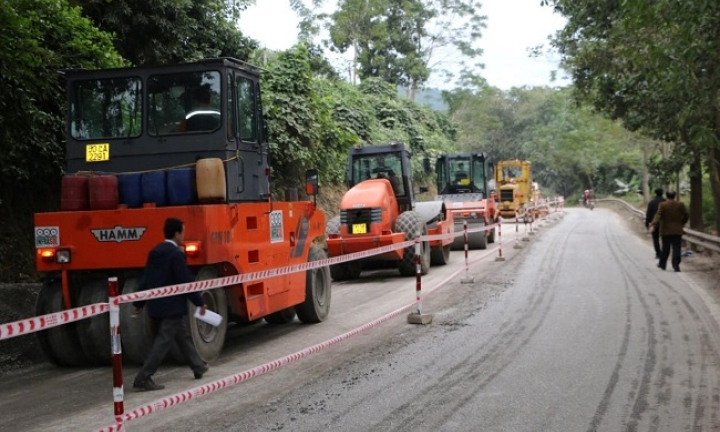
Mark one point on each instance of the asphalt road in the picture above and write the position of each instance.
(576, 331)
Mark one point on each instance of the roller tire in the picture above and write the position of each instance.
(440, 255)
(410, 223)
(209, 340)
(491, 237)
(63, 345)
(94, 332)
(318, 291)
(43, 306)
(281, 317)
(346, 271)
(136, 331)
(478, 240)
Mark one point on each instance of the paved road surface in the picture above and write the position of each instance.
(586, 335)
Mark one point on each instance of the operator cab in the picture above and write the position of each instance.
(157, 118)
(464, 173)
(388, 161)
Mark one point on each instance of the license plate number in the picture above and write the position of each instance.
(359, 229)
(97, 152)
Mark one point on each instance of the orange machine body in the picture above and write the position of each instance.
(362, 236)
(235, 238)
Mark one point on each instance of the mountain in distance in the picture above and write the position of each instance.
(430, 97)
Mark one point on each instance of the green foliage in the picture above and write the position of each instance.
(399, 41)
(313, 121)
(38, 39)
(171, 31)
(652, 65)
(291, 110)
(571, 148)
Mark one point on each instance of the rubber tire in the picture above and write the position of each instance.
(346, 271)
(410, 223)
(318, 291)
(477, 240)
(281, 317)
(209, 340)
(136, 331)
(62, 341)
(94, 332)
(440, 255)
(43, 306)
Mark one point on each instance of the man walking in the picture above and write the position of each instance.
(165, 266)
(671, 216)
(652, 208)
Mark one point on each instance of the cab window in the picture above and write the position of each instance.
(182, 103)
(246, 109)
(106, 108)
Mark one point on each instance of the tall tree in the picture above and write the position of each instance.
(653, 65)
(400, 41)
(172, 31)
(39, 38)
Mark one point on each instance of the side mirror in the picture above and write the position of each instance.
(312, 182)
(426, 165)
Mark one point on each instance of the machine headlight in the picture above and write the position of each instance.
(62, 256)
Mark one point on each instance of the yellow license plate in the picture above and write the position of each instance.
(359, 228)
(97, 152)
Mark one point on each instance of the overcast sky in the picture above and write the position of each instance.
(513, 26)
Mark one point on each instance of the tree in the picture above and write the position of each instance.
(399, 41)
(39, 38)
(651, 64)
(171, 31)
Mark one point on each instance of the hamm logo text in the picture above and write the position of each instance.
(118, 234)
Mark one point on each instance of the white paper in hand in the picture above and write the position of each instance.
(210, 317)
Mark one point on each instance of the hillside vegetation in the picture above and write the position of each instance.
(313, 115)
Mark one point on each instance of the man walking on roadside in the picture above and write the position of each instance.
(671, 216)
(652, 208)
(166, 265)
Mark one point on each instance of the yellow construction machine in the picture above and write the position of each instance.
(516, 189)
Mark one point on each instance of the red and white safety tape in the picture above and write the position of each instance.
(251, 277)
(54, 319)
(240, 377)
(35, 324)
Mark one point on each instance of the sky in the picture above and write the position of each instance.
(513, 26)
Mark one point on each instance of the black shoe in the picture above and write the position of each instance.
(677, 269)
(147, 385)
(200, 372)
(662, 267)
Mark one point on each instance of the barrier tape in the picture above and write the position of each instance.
(251, 277)
(30, 325)
(265, 274)
(240, 377)
(178, 398)
(43, 322)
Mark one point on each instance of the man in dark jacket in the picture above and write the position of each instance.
(671, 216)
(650, 214)
(165, 266)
